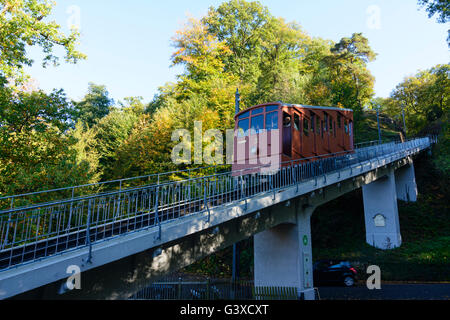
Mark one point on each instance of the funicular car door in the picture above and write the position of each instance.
(351, 134)
(296, 136)
(326, 124)
(287, 134)
(313, 133)
(317, 122)
(306, 136)
(340, 131)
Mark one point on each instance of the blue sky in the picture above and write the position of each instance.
(128, 42)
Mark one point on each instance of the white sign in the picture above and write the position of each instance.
(379, 220)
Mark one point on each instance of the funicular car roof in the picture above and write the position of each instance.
(292, 105)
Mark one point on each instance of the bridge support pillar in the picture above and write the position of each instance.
(381, 213)
(405, 181)
(283, 255)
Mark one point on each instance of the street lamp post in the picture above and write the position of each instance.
(404, 122)
(378, 121)
(236, 247)
(237, 100)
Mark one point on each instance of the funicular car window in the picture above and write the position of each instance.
(322, 127)
(272, 121)
(244, 115)
(296, 122)
(257, 111)
(243, 127)
(305, 126)
(287, 120)
(257, 124)
(317, 125)
(271, 108)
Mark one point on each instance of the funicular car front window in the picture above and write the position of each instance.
(272, 121)
(243, 127)
(271, 108)
(244, 115)
(257, 111)
(257, 124)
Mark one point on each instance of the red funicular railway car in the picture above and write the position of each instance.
(284, 133)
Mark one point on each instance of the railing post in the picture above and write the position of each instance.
(271, 185)
(205, 202)
(88, 232)
(5, 242)
(157, 212)
(243, 192)
(180, 290)
(71, 209)
(207, 289)
(294, 177)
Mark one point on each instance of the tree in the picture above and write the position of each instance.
(133, 105)
(111, 132)
(37, 149)
(351, 82)
(204, 58)
(23, 24)
(241, 26)
(95, 105)
(283, 47)
(22, 112)
(87, 156)
(200, 52)
(439, 7)
(425, 97)
(149, 146)
(316, 73)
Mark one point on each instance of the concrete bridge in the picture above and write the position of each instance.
(121, 240)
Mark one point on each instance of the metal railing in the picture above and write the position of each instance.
(74, 192)
(37, 231)
(214, 289)
(104, 187)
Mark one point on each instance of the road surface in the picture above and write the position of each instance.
(432, 291)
